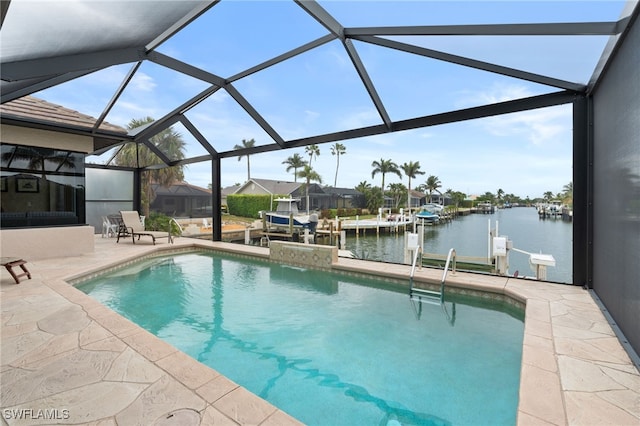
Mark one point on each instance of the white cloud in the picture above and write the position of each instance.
(126, 110)
(339, 58)
(539, 126)
(499, 93)
(111, 76)
(425, 135)
(360, 118)
(142, 82)
(311, 116)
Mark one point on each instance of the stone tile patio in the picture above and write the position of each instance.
(66, 359)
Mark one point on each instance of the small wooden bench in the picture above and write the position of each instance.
(10, 262)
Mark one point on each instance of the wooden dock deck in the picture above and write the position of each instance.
(468, 263)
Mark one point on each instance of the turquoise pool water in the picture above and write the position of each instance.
(327, 348)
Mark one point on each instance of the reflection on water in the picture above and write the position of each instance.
(469, 236)
(417, 305)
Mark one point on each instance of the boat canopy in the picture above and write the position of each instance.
(287, 205)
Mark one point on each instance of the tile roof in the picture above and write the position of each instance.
(32, 108)
(275, 186)
(181, 189)
(340, 191)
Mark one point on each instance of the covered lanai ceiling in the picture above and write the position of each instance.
(220, 55)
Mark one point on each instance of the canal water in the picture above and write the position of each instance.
(469, 235)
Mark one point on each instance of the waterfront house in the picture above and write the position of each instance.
(320, 198)
(182, 199)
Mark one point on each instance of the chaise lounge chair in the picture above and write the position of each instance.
(134, 226)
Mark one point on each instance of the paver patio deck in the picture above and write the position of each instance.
(64, 355)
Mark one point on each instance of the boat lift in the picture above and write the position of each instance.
(500, 247)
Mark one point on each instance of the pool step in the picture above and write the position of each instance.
(426, 296)
(428, 300)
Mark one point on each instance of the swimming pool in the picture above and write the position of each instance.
(328, 348)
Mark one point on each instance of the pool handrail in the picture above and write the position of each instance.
(416, 253)
(173, 219)
(429, 296)
(451, 256)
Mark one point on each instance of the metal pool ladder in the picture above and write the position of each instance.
(173, 219)
(432, 296)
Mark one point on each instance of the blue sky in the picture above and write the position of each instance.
(318, 92)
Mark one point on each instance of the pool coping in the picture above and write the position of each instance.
(574, 370)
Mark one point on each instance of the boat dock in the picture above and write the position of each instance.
(328, 231)
(363, 225)
(554, 210)
(464, 263)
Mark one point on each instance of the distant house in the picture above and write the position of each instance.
(417, 199)
(445, 200)
(226, 191)
(319, 198)
(182, 200)
(269, 187)
(343, 198)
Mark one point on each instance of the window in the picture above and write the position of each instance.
(41, 187)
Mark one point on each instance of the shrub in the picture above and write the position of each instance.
(160, 222)
(327, 214)
(250, 205)
(246, 205)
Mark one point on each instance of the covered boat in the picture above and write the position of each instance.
(429, 213)
(287, 211)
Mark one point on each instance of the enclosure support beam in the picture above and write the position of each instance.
(216, 201)
(137, 191)
(582, 194)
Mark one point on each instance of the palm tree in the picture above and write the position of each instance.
(384, 167)
(433, 183)
(312, 150)
(568, 189)
(397, 191)
(411, 170)
(548, 196)
(567, 194)
(138, 155)
(459, 197)
(294, 162)
(509, 198)
(246, 144)
(363, 188)
(309, 174)
(487, 196)
(499, 194)
(375, 199)
(456, 196)
(337, 149)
